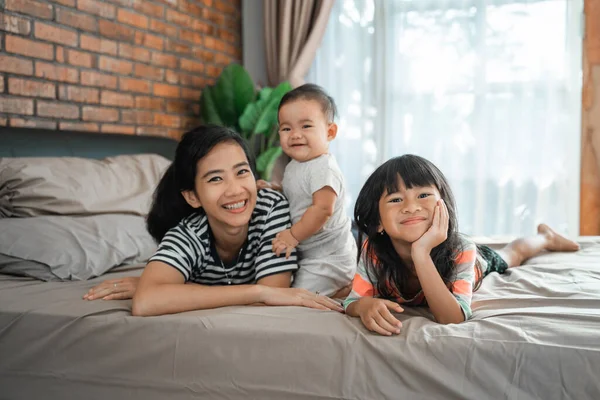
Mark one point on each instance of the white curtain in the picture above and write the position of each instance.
(489, 90)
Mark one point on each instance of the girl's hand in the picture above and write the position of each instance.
(376, 316)
(284, 241)
(273, 296)
(437, 232)
(113, 289)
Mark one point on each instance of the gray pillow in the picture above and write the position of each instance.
(74, 248)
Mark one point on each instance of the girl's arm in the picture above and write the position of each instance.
(162, 290)
(441, 301)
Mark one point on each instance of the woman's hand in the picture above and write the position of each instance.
(376, 316)
(437, 232)
(284, 241)
(272, 296)
(262, 184)
(113, 289)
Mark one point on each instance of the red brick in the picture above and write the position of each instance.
(148, 8)
(79, 94)
(151, 131)
(175, 133)
(78, 126)
(123, 3)
(101, 114)
(14, 24)
(115, 65)
(179, 19)
(15, 65)
(76, 20)
(92, 78)
(149, 103)
(147, 72)
(116, 99)
(60, 54)
(178, 106)
(191, 66)
(225, 7)
(190, 94)
(117, 31)
(134, 85)
(134, 53)
(167, 120)
(57, 110)
(137, 117)
(196, 108)
(204, 55)
(56, 73)
(30, 7)
(133, 19)
(163, 90)
(161, 27)
(123, 129)
(207, 3)
(26, 87)
(164, 60)
(227, 36)
(98, 45)
(223, 59)
(16, 105)
(189, 8)
(31, 48)
(99, 8)
(80, 59)
(32, 123)
(1, 84)
(190, 36)
(177, 47)
(148, 40)
(214, 17)
(200, 26)
(68, 3)
(172, 3)
(213, 71)
(171, 77)
(54, 34)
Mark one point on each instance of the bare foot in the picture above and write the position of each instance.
(556, 242)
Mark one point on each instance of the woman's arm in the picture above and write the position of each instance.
(162, 290)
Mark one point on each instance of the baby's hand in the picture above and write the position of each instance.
(262, 184)
(284, 240)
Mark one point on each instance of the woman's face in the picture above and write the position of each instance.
(408, 213)
(225, 187)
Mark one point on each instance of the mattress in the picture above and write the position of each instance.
(535, 334)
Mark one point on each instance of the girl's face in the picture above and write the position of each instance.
(408, 213)
(225, 187)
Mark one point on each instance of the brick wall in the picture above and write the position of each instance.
(115, 66)
(590, 139)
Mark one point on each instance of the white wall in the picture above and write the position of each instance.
(253, 42)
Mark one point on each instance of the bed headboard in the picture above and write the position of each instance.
(26, 142)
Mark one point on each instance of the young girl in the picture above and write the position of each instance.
(414, 254)
(215, 231)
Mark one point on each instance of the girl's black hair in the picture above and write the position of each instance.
(168, 206)
(381, 259)
(310, 91)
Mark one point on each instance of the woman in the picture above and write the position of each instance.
(215, 231)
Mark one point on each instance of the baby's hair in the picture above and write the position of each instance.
(310, 91)
(381, 259)
(168, 205)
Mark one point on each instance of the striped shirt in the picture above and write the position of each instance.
(466, 274)
(189, 247)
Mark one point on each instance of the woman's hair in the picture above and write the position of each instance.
(381, 259)
(310, 91)
(168, 206)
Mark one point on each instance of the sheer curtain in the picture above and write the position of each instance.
(489, 90)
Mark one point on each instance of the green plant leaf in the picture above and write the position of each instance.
(261, 115)
(208, 109)
(266, 161)
(233, 91)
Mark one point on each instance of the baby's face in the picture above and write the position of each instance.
(304, 131)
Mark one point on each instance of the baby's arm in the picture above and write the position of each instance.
(313, 219)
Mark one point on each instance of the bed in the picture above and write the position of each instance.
(535, 334)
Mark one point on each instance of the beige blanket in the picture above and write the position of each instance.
(535, 334)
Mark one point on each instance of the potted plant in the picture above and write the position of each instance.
(234, 101)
